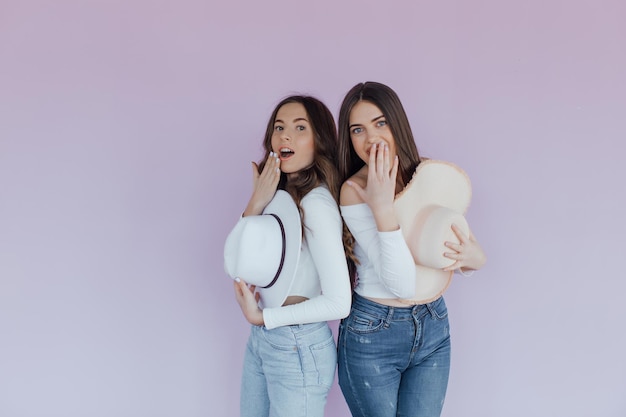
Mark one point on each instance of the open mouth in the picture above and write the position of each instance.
(285, 153)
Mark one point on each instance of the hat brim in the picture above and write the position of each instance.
(283, 206)
(430, 284)
(434, 184)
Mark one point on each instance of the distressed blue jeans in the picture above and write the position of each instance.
(288, 371)
(394, 361)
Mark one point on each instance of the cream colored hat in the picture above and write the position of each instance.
(264, 250)
(437, 196)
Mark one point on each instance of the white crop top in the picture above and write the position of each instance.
(322, 273)
(387, 268)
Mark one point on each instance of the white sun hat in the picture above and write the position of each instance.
(264, 250)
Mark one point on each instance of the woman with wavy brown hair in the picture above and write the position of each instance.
(290, 358)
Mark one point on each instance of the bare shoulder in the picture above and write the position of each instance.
(349, 195)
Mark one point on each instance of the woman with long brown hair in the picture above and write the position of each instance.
(290, 359)
(394, 353)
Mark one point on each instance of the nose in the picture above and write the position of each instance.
(285, 135)
(372, 138)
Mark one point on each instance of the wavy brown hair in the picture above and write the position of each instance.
(389, 104)
(324, 169)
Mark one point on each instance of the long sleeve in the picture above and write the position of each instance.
(385, 258)
(323, 240)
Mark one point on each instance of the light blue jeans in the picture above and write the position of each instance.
(394, 361)
(288, 371)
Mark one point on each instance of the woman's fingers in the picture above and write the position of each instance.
(371, 166)
(386, 160)
(457, 257)
(457, 247)
(240, 286)
(255, 171)
(237, 289)
(394, 169)
(459, 234)
(452, 267)
(271, 169)
(383, 164)
(244, 293)
(265, 184)
(466, 254)
(379, 162)
(359, 190)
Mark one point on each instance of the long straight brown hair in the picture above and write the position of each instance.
(389, 104)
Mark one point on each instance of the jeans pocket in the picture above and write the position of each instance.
(438, 309)
(280, 338)
(362, 322)
(325, 358)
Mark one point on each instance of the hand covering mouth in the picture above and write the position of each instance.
(379, 146)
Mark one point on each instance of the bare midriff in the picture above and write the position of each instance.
(294, 299)
(393, 302)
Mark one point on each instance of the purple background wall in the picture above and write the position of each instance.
(126, 134)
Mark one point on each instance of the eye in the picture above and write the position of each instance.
(300, 128)
(278, 128)
(356, 130)
(381, 123)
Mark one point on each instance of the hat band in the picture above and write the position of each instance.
(282, 256)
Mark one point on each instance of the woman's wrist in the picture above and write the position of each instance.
(253, 209)
(256, 317)
(385, 219)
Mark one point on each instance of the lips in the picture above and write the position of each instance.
(285, 153)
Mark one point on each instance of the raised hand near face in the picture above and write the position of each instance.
(264, 185)
(380, 189)
(381, 177)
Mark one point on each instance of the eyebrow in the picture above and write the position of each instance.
(294, 120)
(373, 120)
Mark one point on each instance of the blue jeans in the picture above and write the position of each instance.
(394, 361)
(288, 371)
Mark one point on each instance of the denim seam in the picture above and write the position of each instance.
(417, 336)
(316, 348)
(351, 384)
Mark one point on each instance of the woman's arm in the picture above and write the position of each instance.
(323, 235)
(264, 186)
(386, 252)
(378, 231)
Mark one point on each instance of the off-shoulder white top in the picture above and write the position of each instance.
(387, 268)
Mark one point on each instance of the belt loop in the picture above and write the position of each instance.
(389, 317)
(431, 310)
